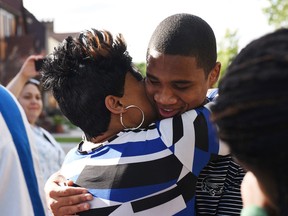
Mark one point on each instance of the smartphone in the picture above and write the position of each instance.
(38, 64)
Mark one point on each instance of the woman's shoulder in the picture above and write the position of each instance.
(48, 135)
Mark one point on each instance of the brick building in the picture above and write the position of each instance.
(21, 35)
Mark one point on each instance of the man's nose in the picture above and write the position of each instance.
(165, 97)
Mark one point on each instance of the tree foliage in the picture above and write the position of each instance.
(141, 67)
(228, 49)
(277, 13)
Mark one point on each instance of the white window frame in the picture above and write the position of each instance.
(7, 21)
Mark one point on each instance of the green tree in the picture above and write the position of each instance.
(228, 49)
(141, 67)
(276, 12)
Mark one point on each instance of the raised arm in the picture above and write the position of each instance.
(26, 72)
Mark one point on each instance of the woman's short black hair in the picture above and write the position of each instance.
(82, 71)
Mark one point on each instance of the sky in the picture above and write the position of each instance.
(137, 19)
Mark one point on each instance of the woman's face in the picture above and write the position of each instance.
(31, 101)
(135, 94)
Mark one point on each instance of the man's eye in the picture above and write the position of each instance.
(152, 81)
(181, 87)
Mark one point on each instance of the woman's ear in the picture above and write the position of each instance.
(113, 104)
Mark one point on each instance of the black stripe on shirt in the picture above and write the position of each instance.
(185, 188)
(201, 133)
(188, 186)
(130, 175)
(177, 129)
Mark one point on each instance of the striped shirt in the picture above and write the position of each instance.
(21, 185)
(146, 172)
(218, 186)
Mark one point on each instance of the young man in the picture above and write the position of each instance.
(28, 92)
(181, 67)
(21, 183)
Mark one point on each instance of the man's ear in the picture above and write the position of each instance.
(214, 75)
(113, 104)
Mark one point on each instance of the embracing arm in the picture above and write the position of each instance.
(63, 199)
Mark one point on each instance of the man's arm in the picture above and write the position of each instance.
(63, 199)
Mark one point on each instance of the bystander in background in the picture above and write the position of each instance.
(27, 91)
(251, 112)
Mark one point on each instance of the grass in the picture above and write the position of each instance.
(68, 139)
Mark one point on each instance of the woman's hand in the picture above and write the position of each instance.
(28, 69)
(64, 199)
(26, 72)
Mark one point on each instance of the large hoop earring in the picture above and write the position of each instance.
(143, 117)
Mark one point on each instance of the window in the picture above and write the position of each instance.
(7, 24)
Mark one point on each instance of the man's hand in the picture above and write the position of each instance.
(63, 199)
